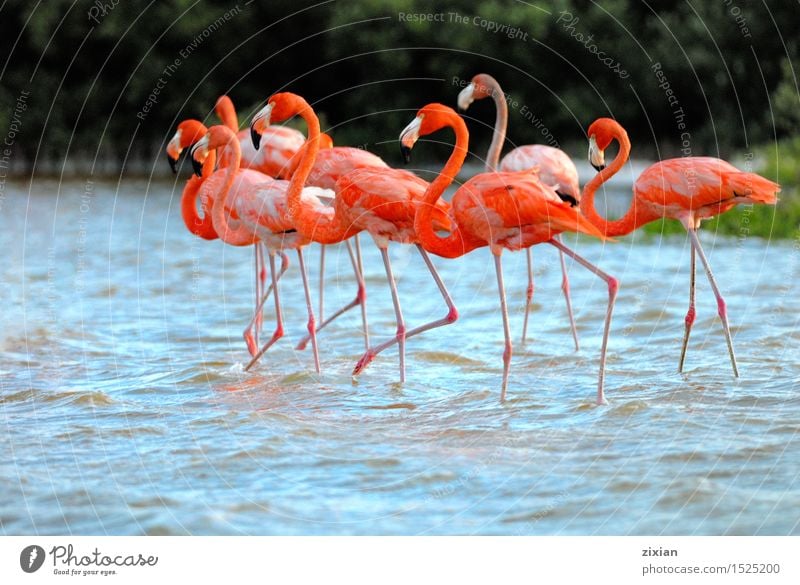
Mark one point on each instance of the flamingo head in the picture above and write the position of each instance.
(481, 86)
(430, 119)
(601, 133)
(280, 107)
(188, 132)
(216, 137)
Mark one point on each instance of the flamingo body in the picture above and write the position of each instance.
(555, 167)
(515, 211)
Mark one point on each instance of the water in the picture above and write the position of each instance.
(125, 409)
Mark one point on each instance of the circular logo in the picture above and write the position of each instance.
(31, 558)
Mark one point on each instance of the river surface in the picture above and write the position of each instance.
(125, 408)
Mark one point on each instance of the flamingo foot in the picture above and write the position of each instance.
(365, 360)
(252, 348)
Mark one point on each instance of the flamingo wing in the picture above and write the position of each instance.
(278, 146)
(555, 167)
(692, 183)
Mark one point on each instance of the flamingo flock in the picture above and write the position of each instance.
(272, 188)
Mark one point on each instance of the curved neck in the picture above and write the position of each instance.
(199, 226)
(227, 113)
(230, 231)
(458, 242)
(628, 222)
(311, 222)
(500, 125)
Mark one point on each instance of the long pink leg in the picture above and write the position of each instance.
(312, 331)
(613, 288)
(361, 299)
(278, 315)
(528, 293)
(721, 307)
(498, 265)
(690, 314)
(451, 317)
(565, 288)
(258, 286)
(249, 337)
(322, 282)
(362, 291)
(400, 337)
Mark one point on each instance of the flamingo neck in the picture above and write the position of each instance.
(500, 126)
(457, 243)
(628, 222)
(227, 113)
(200, 226)
(311, 222)
(230, 231)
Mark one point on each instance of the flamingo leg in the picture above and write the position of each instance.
(400, 337)
(528, 293)
(721, 307)
(362, 291)
(498, 265)
(361, 299)
(322, 282)
(249, 338)
(311, 322)
(567, 298)
(451, 317)
(278, 316)
(258, 259)
(613, 288)
(690, 314)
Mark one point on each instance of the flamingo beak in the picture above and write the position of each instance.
(409, 137)
(465, 97)
(259, 124)
(597, 157)
(199, 153)
(174, 151)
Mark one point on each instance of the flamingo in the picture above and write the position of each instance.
(504, 210)
(554, 168)
(381, 201)
(332, 163)
(261, 215)
(188, 133)
(278, 144)
(688, 189)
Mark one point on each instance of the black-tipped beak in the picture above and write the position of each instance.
(406, 152)
(197, 166)
(599, 168)
(255, 137)
(173, 164)
(568, 199)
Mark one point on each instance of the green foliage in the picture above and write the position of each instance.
(732, 68)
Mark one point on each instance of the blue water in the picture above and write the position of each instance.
(125, 409)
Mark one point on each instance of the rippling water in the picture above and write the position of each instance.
(125, 409)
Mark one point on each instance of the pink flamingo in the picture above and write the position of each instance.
(381, 201)
(553, 166)
(332, 163)
(187, 134)
(504, 210)
(261, 215)
(688, 189)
